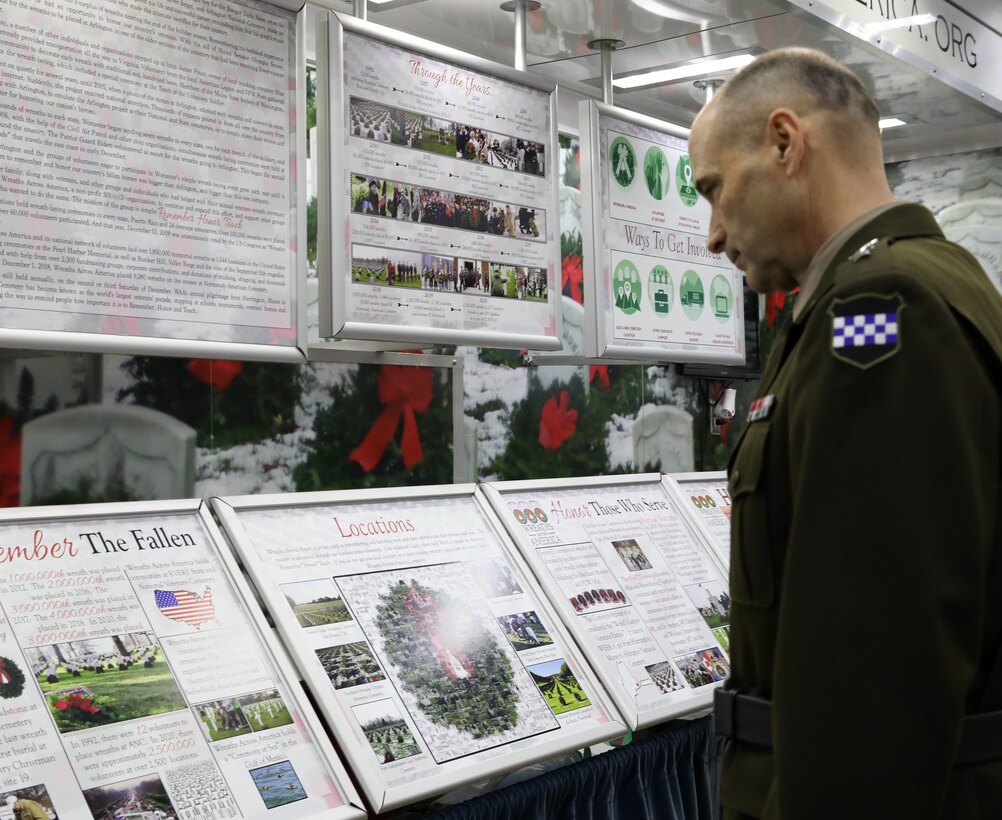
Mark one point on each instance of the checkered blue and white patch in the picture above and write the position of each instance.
(865, 330)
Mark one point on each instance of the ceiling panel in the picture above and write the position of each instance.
(559, 32)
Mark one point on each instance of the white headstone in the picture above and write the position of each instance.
(470, 426)
(662, 438)
(104, 449)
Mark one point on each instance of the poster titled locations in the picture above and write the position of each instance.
(662, 289)
(635, 584)
(132, 683)
(145, 180)
(411, 625)
(449, 185)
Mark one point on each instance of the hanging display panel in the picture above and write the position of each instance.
(707, 501)
(638, 589)
(139, 679)
(149, 196)
(654, 290)
(430, 651)
(440, 194)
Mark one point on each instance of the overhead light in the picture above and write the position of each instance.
(673, 11)
(890, 122)
(888, 25)
(714, 65)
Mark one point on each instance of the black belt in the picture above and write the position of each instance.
(749, 719)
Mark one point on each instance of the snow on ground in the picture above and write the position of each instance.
(483, 383)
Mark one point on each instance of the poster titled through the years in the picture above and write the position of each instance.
(147, 184)
(633, 581)
(656, 291)
(433, 657)
(136, 683)
(443, 195)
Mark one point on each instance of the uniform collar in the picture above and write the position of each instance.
(900, 220)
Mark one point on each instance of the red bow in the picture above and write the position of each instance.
(218, 373)
(774, 303)
(5, 676)
(571, 277)
(405, 391)
(10, 464)
(602, 372)
(557, 422)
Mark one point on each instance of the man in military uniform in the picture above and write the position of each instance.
(866, 563)
(25, 809)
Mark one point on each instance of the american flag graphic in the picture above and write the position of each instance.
(187, 607)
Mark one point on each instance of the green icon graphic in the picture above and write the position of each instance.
(683, 178)
(626, 287)
(721, 298)
(657, 169)
(623, 161)
(660, 289)
(690, 294)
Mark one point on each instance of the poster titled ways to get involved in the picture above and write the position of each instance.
(659, 291)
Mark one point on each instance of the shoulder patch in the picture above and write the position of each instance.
(866, 329)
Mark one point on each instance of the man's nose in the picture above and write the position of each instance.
(717, 238)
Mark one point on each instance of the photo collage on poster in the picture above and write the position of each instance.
(662, 287)
(133, 679)
(449, 193)
(428, 638)
(396, 267)
(634, 579)
(384, 123)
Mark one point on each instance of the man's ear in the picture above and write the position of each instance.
(787, 139)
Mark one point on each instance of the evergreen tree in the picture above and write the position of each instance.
(252, 402)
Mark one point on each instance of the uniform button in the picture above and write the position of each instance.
(737, 476)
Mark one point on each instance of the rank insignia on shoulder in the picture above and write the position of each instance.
(863, 250)
(761, 408)
(866, 329)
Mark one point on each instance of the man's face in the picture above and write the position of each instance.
(752, 220)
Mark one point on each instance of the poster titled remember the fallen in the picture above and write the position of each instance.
(434, 658)
(135, 683)
(633, 581)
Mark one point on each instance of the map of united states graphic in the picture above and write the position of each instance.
(187, 607)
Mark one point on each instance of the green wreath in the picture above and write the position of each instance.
(11, 679)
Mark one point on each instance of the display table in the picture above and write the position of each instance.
(672, 774)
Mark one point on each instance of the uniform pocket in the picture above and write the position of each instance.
(751, 557)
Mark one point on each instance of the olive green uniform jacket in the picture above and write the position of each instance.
(29, 810)
(866, 563)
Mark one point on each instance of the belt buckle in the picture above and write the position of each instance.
(724, 706)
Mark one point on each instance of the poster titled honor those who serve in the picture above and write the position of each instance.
(657, 292)
(634, 583)
(136, 683)
(431, 653)
(444, 192)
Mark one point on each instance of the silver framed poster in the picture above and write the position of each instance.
(150, 193)
(633, 582)
(426, 644)
(653, 291)
(439, 193)
(138, 676)
(707, 500)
